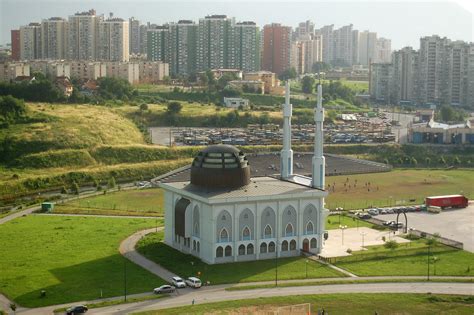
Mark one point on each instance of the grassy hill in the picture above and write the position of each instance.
(53, 127)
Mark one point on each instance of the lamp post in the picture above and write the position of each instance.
(306, 268)
(125, 279)
(363, 234)
(276, 264)
(435, 259)
(342, 227)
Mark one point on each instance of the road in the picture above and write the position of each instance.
(212, 294)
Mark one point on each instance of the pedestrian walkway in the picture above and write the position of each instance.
(347, 273)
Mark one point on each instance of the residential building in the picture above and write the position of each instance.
(313, 51)
(367, 47)
(183, 47)
(327, 35)
(129, 71)
(270, 80)
(143, 39)
(10, 71)
(343, 46)
(54, 38)
(134, 36)
(383, 50)
(114, 40)
(458, 70)
(30, 41)
(87, 70)
(303, 30)
(405, 65)
(16, 44)
(297, 56)
(276, 48)
(152, 71)
(246, 43)
(83, 35)
(64, 85)
(380, 82)
(158, 43)
(51, 69)
(215, 49)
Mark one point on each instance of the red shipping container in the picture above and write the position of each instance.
(452, 201)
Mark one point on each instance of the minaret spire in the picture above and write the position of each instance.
(319, 162)
(286, 155)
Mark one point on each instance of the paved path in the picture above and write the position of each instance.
(18, 214)
(347, 273)
(209, 295)
(127, 249)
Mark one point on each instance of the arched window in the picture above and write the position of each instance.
(263, 248)
(313, 243)
(219, 251)
(284, 246)
(224, 235)
(198, 247)
(267, 232)
(271, 247)
(228, 251)
(196, 229)
(293, 245)
(194, 245)
(309, 228)
(246, 234)
(289, 230)
(250, 249)
(241, 250)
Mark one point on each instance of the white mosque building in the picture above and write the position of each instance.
(223, 215)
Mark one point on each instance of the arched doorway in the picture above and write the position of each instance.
(306, 245)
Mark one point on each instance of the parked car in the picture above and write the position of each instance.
(394, 225)
(389, 223)
(164, 289)
(178, 282)
(383, 211)
(389, 210)
(373, 212)
(365, 216)
(78, 309)
(193, 282)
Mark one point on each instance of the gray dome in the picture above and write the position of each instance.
(220, 166)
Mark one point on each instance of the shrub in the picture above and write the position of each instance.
(75, 188)
(111, 183)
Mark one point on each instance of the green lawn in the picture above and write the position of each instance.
(334, 221)
(72, 258)
(361, 303)
(397, 187)
(148, 202)
(153, 248)
(409, 259)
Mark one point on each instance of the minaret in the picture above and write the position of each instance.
(286, 155)
(319, 162)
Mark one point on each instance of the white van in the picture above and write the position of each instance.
(193, 282)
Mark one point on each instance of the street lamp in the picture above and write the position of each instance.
(342, 227)
(306, 268)
(363, 234)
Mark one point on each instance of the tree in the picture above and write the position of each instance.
(143, 107)
(230, 91)
(447, 113)
(11, 109)
(320, 67)
(307, 84)
(431, 242)
(392, 245)
(75, 188)
(288, 74)
(115, 88)
(111, 183)
(174, 108)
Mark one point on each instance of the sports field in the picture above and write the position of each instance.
(400, 186)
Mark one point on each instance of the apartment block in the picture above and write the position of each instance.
(276, 48)
(183, 47)
(51, 69)
(343, 46)
(303, 30)
(54, 38)
(367, 47)
(113, 42)
(381, 75)
(134, 36)
(246, 48)
(158, 42)
(152, 71)
(129, 71)
(87, 70)
(83, 35)
(214, 48)
(383, 50)
(405, 76)
(297, 57)
(269, 79)
(15, 40)
(327, 36)
(10, 71)
(30, 41)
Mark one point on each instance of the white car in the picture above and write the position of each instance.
(164, 289)
(178, 282)
(193, 282)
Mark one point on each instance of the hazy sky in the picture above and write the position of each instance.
(403, 21)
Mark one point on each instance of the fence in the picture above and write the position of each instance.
(440, 239)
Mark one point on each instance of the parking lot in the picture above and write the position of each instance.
(457, 224)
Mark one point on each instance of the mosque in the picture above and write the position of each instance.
(223, 214)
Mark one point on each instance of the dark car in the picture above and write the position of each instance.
(78, 309)
(365, 216)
